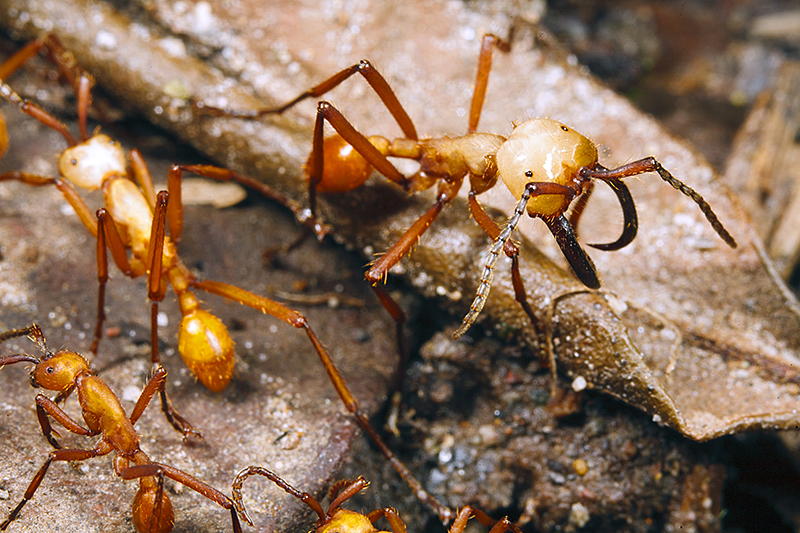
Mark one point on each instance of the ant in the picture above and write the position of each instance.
(135, 218)
(336, 519)
(65, 371)
(545, 164)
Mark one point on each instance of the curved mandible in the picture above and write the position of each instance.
(631, 221)
(581, 263)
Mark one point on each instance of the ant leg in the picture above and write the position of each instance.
(304, 497)
(380, 268)
(649, 164)
(489, 43)
(66, 188)
(142, 175)
(399, 317)
(154, 384)
(292, 317)
(581, 263)
(107, 235)
(155, 293)
(175, 210)
(102, 448)
(365, 68)
(391, 515)
(162, 470)
(33, 110)
(45, 406)
(511, 249)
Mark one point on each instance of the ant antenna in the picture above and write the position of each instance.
(261, 471)
(488, 268)
(701, 203)
(35, 334)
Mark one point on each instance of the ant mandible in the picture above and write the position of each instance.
(65, 371)
(338, 520)
(135, 218)
(544, 163)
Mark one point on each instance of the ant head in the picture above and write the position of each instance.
(58, 371)
(88, 164)
(544, 151)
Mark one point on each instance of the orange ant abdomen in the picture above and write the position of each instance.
(144, 509)
(345, 169)
(206, 348)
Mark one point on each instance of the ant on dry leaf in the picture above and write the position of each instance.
(545, 164)
(66, 371)
(338, 520)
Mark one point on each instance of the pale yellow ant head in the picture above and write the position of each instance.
(545, 151)
(58, 371)
(88, 164)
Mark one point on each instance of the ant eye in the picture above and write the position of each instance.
(564, 128)
(528, 174)
(49, 369)
(112, 142)
(73, 161)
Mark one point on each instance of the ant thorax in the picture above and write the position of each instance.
(90, 163)
(130, 211)
(545, 151)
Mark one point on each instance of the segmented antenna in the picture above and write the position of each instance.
(491, 261)
(701, 203)
(261, 471)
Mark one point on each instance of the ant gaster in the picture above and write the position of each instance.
(66, 371)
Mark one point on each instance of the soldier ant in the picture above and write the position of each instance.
(65, 371)
(336, 519)
(135, 218)
(544, 163)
